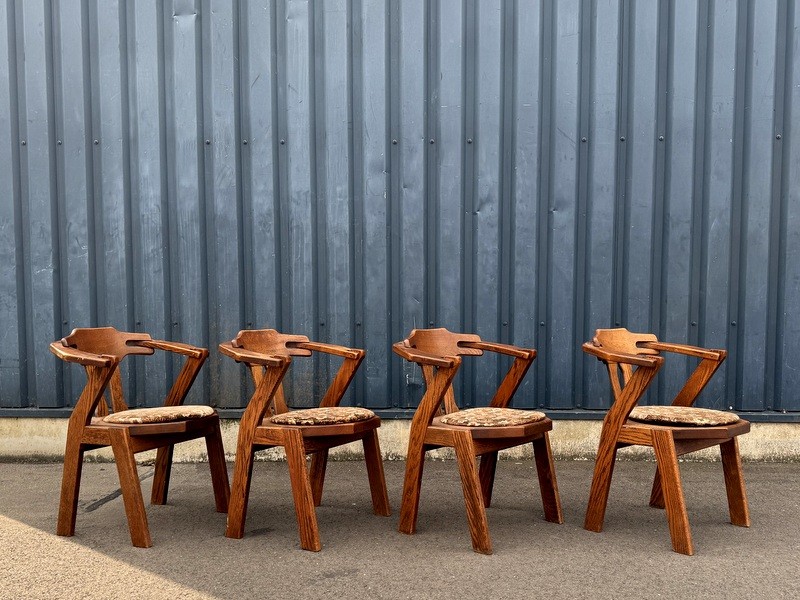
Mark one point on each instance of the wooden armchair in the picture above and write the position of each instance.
(472, 432)
(670, 430)
(100, 350)
(267, 422)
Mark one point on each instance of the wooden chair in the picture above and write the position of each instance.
(670, 430)
(100, 350)
(472, 432)
(267, 423)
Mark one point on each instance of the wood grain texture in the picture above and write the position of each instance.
(438, 352)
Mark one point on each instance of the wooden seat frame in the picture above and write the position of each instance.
(99, 350)
(268, 354)
(638, 358)
(439, 352)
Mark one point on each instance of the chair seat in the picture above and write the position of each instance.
(682, 415)
(491, 417)
(159, 414)
(328, 415)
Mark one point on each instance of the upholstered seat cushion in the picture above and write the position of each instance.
(159, 414)
(682, 415)
(491, 417)
(328, 415)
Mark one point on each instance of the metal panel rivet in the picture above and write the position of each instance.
(394, 142)
(97, 142)
(583, 139)
(733, 323)
(541, 324)
(208, 142)
(661, 138)
(59, 142)
(433, 141)
(283, 142)
(622, 138)
(778, 136)
(694, 323)
(24, 143)
(469, 140)
(430, 323)
(244, 142)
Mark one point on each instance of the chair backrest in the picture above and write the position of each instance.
(106, 340)
(625, 342)
(443, 342)
(272, 342)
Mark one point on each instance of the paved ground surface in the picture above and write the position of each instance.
(364, 556)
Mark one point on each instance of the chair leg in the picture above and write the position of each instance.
(240, 491)
(70, 487)
(657, 493)
(546, 470)
(412, 483)
(377, 480)
(734, 483)
(301, 490)
(601, 485)
(219, 469)
(131, 488)
(473, 498)
(486, 473)
(161, 475)
(319, 463)
(674, 503)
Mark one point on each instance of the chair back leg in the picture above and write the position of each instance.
(319, 464)
(219, 469)
(161, 475)
(734, 483)
(545, 469)
(377, 479)
(486, 472)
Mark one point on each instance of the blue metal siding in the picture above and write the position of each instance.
(351, 169)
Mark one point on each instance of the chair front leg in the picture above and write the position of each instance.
(734, 483)
(240, 491)
(412, 484)
(301, 490)
(219, 469)
(131, 487)
(601, 484)
(70, 487)
(548, 486)
(674, 503)
(161, 475)
(473, 498)
(377, 480)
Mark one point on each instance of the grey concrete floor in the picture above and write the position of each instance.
(364, 556)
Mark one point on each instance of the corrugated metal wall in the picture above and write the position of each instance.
(351, 169)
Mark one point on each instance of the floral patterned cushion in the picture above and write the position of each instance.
(491, 417)
(682, 415)
(159, 414)
(329, 415)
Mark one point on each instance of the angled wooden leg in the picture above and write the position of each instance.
(377, 480)
(131, 487)
(473, 497)
(219, 469)
(548, 485)
(240, 491)
(301, 490)
(412, 483)
(657, 494)
(70, 487)
(601, 484)
(161, 474)
(734, 483)
(486, 473)
(319, 462)
(674, 503)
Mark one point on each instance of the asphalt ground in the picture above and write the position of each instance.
(364, 556)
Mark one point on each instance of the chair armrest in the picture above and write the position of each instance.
(424, 358)
(87, 359)
(687, 350)
(618, 357)
(330, 349)
(175, 347)
(253, 358)
(508, 349)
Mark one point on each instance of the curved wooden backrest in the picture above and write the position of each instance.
(270, 341)
(106, 340)
(624, 341)
(443, 342)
